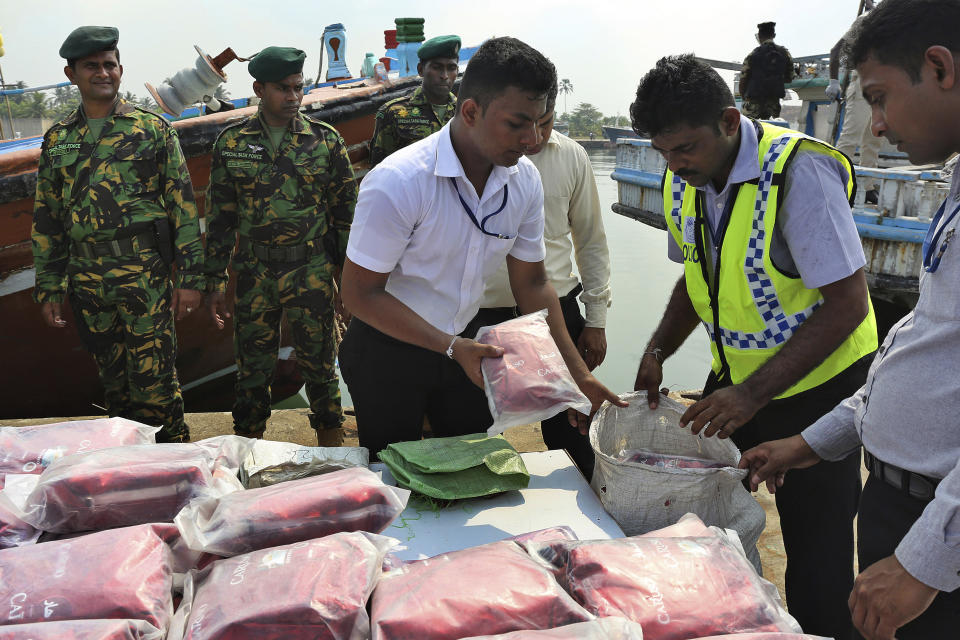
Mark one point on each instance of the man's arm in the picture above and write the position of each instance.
(384, 140)
(593, 260)
(834, 89)
(50, 244)
(678, 322)
(532, 291)
(341, 202)
(788, 66)
(222, 219)
(184, 220)
(364, 293)
(845, 305)
(745, 76)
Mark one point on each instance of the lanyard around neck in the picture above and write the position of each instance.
(481, 224)
(930, 262)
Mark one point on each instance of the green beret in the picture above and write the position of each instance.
(440, 47)
(84, 41)
(273, 64)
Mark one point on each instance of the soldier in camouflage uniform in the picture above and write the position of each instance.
(765, 71)
(283, 182)
(425, 111)
(114, 208)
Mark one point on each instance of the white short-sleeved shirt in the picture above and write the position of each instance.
(411, 223)
(815, 235)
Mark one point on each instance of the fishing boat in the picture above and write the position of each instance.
(46, 371)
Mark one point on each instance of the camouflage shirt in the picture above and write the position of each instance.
(304, 192)
(405, 120)
(109, 189)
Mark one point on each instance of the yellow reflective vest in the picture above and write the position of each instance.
(748, 307)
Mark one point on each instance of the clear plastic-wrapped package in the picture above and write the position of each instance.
(599, 629)
(675, 588)
(32, 449)
(83, 630)
(120, 573)
(530, 382)
(14, 532)
(271, 462)
(349, 500)
(490, 589)
(125, 486)
(312, 590)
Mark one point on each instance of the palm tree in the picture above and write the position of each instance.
(565, 87)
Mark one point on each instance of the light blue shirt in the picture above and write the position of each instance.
(908, 413)
(815, 236)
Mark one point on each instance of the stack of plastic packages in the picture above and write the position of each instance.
(114, 559)
(685, 581)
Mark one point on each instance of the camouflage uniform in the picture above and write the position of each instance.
(298, 199)
(405, 120)
(119, 188)
(761, 83)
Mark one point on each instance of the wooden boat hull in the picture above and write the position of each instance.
(46, 371)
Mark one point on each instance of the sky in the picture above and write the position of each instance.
(602, 46)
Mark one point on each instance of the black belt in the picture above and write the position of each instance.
(915, 485)
(281, 253)
(128, 246)
(573, 293)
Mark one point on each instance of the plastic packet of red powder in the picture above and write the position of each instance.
(348, 500)
(83, 630)
(530, 382)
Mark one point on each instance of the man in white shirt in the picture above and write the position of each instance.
(433, 222)
(573, 225)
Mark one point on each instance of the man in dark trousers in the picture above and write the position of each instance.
(760, 218)
(281, 191)
(907, 54)
(765, 71)
(114, 210)
(433, 222)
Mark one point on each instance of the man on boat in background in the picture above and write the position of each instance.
(405, 120)
(114, 210)
(760, 218)
(573, 223)
(283, 183)
(765, 71)
(855, 132)
(907, 56)
(434, 221)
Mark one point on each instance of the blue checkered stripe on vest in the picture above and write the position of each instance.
(676, 188)
(780, 325)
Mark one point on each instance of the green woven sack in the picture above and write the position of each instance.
(457, 467)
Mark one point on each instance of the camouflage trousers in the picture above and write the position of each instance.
(762, 109)
(123, 315)
(305, 293)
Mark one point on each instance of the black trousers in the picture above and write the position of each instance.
(395, 384)
(886, 514)
(557, 432)
(816, 505)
